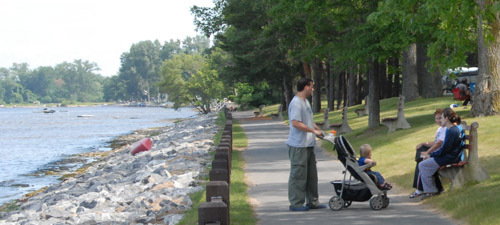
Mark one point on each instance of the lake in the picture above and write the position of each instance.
(31, 140)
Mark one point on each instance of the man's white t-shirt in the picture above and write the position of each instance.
(300, 110)
(440, 134)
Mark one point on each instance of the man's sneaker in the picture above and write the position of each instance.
(320, 206)
(300, 208)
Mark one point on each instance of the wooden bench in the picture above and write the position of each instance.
(390, 123)
(399, 122)
(469, 168)
(278, 116)
(325, 125)
(344, 126)
(364, 111)
(259, 113)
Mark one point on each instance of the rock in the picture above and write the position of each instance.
(172, 219)
(145, 219)
(80, 209)
(121, 189)
(88, 205)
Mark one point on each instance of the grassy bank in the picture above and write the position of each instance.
(240, 211)
(476, 203)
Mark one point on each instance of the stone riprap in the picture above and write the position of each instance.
(149, 188)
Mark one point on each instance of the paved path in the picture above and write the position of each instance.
(267, 170)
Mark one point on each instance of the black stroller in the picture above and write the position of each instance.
(359, 189)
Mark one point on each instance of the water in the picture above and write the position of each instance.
(30, 140)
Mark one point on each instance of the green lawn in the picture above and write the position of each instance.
(476, 203)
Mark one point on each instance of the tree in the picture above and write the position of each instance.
(255, 53)
(486, 99)
(40, 81)
(169, 49)
(175, 73)
(140, 70)
(195, 45)
(203, 87)
(410, 78)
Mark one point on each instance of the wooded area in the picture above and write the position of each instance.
(352, 49)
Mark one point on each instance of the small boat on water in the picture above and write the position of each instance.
(85, 116)
(141, 146)
(45, 110)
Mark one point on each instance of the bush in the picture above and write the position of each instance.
(253, 95)
(46, 99)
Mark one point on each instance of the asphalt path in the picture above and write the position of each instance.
(267, 170)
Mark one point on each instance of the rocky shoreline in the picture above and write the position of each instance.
(151, 187)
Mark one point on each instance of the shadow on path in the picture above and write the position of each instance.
(267, 170)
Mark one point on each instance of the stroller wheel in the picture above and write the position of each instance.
(336, 203)
(347, 204)
(385, 201)
(377, 203)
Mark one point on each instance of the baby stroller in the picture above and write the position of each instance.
(359, 189)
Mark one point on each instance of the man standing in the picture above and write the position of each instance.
(303, 181)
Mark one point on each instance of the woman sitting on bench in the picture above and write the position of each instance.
(449, 152)
(427, 148)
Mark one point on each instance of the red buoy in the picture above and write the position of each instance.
(141, 146)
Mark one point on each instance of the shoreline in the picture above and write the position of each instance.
(170, 145)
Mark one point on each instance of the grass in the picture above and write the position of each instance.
(476, 203)
(240, 212)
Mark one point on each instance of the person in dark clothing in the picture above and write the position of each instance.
(463, 89)
(427, 148)
(450, 152)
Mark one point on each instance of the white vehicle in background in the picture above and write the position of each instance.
(453, 76)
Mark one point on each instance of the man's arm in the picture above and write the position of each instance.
(433, 148)
(304, 128)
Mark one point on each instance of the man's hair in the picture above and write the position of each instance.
(438, 112)
(303, 82)
(364, 150)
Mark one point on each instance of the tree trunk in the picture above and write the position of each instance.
(331, 88)
(340, 88)
(288, 91)
(344, 90)
(429, 83)
(352, 87)
(317, 73)
(486, 99)
(382, 73)
(388, 84)
(373, 96)
(396, 82)
(410, 78)
(307, 69)
(361, 86)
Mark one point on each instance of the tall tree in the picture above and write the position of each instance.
(169, 49)
(140, 69)
(175, 73)
(195, 44)
(486, 99)
(189, 79)
(410, 78)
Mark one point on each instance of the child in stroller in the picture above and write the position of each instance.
(359, 187)
(365, 153)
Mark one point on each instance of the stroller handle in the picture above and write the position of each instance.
(330, 138)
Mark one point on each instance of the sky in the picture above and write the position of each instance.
(49, 32)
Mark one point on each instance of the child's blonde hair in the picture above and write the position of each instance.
(365, 150)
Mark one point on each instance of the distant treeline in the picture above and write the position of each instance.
(80, 80)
